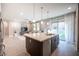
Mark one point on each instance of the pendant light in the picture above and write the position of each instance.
(48, 23)
(33, 12)
(47, 17)
(41, 14)
(34, 25)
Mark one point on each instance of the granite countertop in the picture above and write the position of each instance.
(39, 36)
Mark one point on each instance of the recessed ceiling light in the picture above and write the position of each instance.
(69, 8)
(47, 23)
(21, 13)
(33, 21)
(41, 22)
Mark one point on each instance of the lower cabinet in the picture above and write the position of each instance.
(28, 45)
(36, 48)
(54, 43)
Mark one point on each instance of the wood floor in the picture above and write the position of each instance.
(65, 49)
(15, 46)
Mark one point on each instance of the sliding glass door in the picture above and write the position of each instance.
(59, 27)
(61, 30)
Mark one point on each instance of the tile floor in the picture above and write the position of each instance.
(15, 46)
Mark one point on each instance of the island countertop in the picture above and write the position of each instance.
(39, 36)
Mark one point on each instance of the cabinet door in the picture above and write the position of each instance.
(57, 40)
(53, 44)
(36, 48)
(28, 45)
(33, 47)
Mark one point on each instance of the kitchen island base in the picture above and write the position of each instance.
(41, 48)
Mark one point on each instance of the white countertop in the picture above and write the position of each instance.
(39, 36)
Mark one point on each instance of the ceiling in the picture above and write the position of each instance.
(30, 11)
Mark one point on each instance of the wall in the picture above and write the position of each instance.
(5, 28)
(0, 7)
(9, 27)
(14, 27)
(76, 28)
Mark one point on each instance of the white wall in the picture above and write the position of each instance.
(9, 27)
(0, 7)
(14, 26)
(76, 28)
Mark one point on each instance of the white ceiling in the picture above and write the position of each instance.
(21, 11)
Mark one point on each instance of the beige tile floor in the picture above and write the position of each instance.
(15, 46)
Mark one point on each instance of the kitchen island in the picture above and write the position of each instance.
(41, 44)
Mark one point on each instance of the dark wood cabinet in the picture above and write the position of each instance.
(37, 48)
(28, 44)
(54, 43)
(34, 47)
